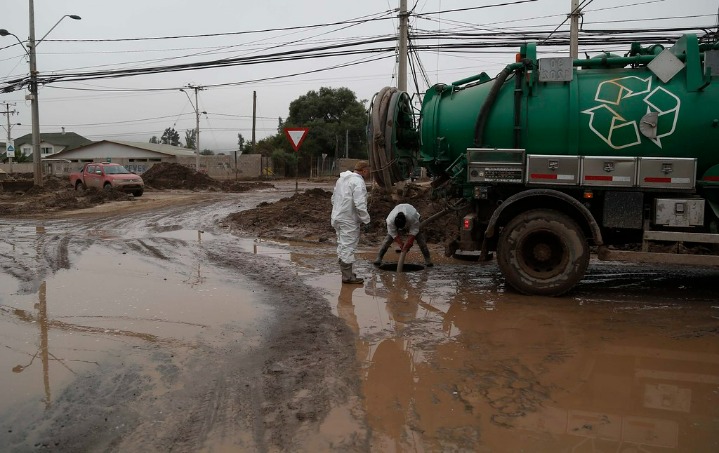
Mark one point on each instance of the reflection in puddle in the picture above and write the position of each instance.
(450, 364)
(118, 298)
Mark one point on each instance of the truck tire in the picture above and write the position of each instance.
(542, 252)
(138, 192)
(79, 186)
(107, 187)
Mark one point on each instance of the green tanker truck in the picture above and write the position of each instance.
(556, 158)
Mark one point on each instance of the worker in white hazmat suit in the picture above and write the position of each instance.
(349, 212)
(404, 218)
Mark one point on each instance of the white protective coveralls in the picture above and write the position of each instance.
(349, 211)
(410, 214)
(412, 224)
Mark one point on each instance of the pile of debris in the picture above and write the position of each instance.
(305, 216)
(173, 176)
(166, 175)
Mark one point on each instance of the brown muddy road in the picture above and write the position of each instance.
(162, 331)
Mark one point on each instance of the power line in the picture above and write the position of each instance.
(360, 20)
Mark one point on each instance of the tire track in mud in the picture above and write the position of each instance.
(309, 360)
(265, 394)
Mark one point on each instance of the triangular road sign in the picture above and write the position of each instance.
(296, 135)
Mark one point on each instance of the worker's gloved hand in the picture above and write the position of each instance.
(398, 240)
(408, 245)
(366, 227)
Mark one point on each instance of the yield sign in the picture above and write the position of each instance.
(296, 135)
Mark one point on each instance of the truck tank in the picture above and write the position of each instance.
(649, 103)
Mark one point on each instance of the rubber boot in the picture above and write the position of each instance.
(382, 250)
(378, 262)
(428, 261)
(425, 250)
(348, 276)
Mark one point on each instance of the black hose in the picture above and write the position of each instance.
(517, 112)
(487, 106)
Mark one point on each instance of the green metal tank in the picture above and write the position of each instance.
(650, 103)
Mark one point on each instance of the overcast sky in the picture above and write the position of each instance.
(122, 35)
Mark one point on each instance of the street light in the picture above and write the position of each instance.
(30, 50)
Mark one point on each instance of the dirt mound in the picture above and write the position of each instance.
(44, 199)
(51, 184)
(166, 175)
(306, 216)
(244, 186)
(303, 216)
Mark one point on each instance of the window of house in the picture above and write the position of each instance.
(27, 150)
(46, 150)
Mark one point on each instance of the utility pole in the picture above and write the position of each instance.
(574, 30)
(8, 113)
(254, 118)
(31, 50)
(34, 107)
(197, 129)
(196, 88)
(403, 27)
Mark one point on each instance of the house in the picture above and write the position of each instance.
(51, 143)
(138, 157)
(135, 156)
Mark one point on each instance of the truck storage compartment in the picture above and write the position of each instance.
(607, 171)
(555, 170)
(674, 212)
(667, 173)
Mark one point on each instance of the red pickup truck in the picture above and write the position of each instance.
(106, 176)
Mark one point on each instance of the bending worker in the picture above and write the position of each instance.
(404, 218)
(349, 211)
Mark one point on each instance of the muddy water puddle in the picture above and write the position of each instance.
(452, 362)
(145, 302)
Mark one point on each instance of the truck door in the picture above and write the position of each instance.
(92, 179)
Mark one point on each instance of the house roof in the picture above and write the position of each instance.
(157, 147)
(68, 140)
(154, 147)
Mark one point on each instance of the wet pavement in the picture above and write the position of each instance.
(119, 333)
(452, 361)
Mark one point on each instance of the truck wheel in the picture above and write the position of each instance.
(79, 186)
(138, 192)
(107, 186)
(542, 252)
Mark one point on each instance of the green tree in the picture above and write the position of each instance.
(333, 116)
(170, 137)
(284, 162)
(154, 139)
(190, 138)
(268, 145)
(207, 152)
(20, 157)
(240, 142)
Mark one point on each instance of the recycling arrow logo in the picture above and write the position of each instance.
(620, 132)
